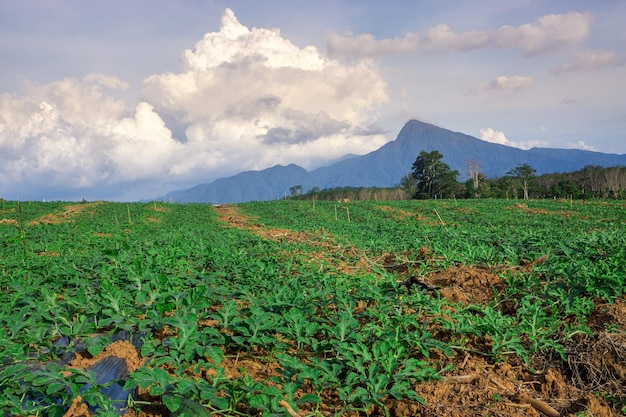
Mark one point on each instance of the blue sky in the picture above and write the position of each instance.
(125, 100)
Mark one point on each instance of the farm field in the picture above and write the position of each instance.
(300, 308)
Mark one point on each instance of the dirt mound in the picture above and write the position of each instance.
(466, 284)
(66, 215)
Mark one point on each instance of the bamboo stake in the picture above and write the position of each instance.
(540, 405)
(441, 220)
(288, 408)
(459, 379)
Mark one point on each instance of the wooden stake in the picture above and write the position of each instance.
(539, 405)
(288, 408)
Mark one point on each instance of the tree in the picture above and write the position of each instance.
(407, 183)
(296, 190)
(524, 173)
(477, 177)
(433, 178)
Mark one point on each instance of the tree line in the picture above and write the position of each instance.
(431, 178)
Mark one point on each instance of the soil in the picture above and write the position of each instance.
(478, 386)
(66, 215)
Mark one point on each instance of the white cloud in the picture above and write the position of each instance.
(590, 60)
(581, 145)
(243, 99)
(547, 33)
(505, 83)
(68, 133)
(494, 136)
(366, 46)
(516, 82)
(259, 100)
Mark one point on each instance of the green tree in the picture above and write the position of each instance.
(296, 190)
(523, 173)
(407, 183)
(432, 177)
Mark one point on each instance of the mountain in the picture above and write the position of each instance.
(268, 184)
(385, 166)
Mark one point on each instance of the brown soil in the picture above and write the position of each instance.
(66, 215)
(78, 408)
(526, 209)
(120, 349)
(400, 214)
(466, 284)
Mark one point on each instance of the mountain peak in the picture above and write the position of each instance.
(414, 125)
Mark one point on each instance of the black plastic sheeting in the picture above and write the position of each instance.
(110, 372)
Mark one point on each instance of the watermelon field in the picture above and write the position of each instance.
(309, 308)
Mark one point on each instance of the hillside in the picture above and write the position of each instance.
(385, 166)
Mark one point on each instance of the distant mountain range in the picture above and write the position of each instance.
(385, 166)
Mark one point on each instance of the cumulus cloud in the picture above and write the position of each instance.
(69, 133)
(241, 90)
(590, 60)
(505, 83)
(494, 136)
(547, 33)
(242, 99)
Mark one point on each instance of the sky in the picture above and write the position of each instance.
(127, 100)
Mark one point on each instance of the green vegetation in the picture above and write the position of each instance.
(323, 295)
(524, 174)
(430, 177)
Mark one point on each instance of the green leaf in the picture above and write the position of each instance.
(309, 398)
(55, 387)
(44, 380)
(259, 401)
(172, 402)
(185, 385)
